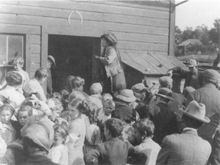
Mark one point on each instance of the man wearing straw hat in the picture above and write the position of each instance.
(187, 148)
(123, 109)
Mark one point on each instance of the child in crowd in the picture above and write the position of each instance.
(106, 96)
(23, 115)
(105, 114)
(56, 109)
(59, 152)
(114, 151)
(95, 97)
(7, 132)
(128, 133)
(144, 130)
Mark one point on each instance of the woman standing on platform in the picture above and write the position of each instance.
(112, 73)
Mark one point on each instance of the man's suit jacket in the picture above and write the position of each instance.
(114, 152)
(184, 149)
(210, 96)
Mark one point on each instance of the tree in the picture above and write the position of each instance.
(202, 33)
(214, 32)
(187, 34)
(178, 35)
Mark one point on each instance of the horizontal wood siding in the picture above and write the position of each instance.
(137, 28)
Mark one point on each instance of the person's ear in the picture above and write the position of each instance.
(144, 135)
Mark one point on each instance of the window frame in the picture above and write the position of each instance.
(23, 49)
(26, 47)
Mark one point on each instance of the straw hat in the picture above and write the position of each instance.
(196, 111)
(138, 88)
(211, 75)
(165, 81)
(165, 93)
(126, 95)
(52, 59)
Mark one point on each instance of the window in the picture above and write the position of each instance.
(9, 45)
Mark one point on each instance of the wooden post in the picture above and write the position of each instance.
(27, 54)
(44, 52)
(171, 50)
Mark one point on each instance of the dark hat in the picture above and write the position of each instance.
(211, 75)
(196, 111)
(165, 93)
(51, 58)
(110, 37)
(165, 81)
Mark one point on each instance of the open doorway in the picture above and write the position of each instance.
(74, 56)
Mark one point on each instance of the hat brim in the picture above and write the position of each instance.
(190, 66)
(53, 61)
(126, 99)
(167, 97)
(205, 120)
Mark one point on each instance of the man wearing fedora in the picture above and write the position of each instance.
(187, 148)
(51, 63)
(123, 108)
(164, 119)
(209, 95)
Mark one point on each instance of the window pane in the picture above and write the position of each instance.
(15, 44)
(2, 48)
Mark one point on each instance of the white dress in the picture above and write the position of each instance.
(59, 154)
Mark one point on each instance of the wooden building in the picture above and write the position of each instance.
(70, 31)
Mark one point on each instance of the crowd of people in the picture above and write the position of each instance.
(111, 125)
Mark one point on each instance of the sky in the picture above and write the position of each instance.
(196, 13)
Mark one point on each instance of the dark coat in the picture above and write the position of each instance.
(165, 121)
(49, 82)
(115, 152)
(178, 100)
(210, 96)
(184, 149)
(38, 160)
(124, 112)
(190, 81)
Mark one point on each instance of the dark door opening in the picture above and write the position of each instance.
(74, 56)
